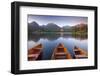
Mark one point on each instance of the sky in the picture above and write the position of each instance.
(59, 20)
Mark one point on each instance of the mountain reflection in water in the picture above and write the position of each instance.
(50, 41)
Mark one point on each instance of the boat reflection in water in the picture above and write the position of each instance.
(49, 43)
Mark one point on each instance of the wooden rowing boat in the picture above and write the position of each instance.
(80, 53)
(35, 52)
(60, 52)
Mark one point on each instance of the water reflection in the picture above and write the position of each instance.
(50, 41)
(36, 37)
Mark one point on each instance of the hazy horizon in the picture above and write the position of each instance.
(59, 20)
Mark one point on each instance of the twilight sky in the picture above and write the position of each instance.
(59, 20)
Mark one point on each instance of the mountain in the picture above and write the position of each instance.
(82, 27)
(52, 27)
(33, 26)
(66, 28)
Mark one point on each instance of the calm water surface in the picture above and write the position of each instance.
(50, 41)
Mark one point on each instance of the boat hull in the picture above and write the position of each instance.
(80, 53)
(60, 52)
(35, 53)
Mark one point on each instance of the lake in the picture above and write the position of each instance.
(50, 41)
